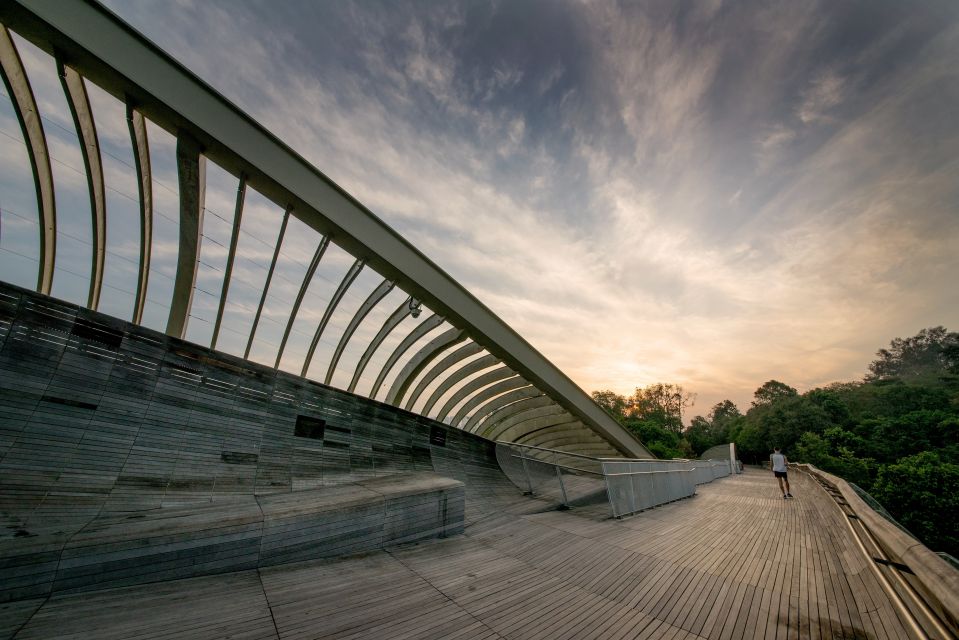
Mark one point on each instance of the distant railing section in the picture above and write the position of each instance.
(628, 485)
(724, 451)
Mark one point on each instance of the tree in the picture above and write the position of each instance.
(699, 433)
(771, 392)
(788, 419)
(752, 440)
(661, 403)
(832, 403)
(922, 492)
(813, 449)
(931, 351)
(614, 404)
(661, 442)
(722, 416)
(723, 412)
(703, 433)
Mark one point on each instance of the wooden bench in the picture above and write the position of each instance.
(183, 542)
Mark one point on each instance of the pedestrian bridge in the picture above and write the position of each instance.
(735, 561)
(191, 448)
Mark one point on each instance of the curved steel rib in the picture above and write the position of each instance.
(25, 106)
(502, 402)
(421, 330)
(551, 415)
(230, 258)
(348, 279)
(517, 420)
(191, 175)
(391, 323)
(141, 160)
(419, 362)
(378, 294)
(307, 278)
(76, 94)
(467, 350)
(458, 376)
(490, 392)
(269, 279)
(471, 387)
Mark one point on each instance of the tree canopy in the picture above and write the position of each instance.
(655, 414)
(931, 351)
(771, 392)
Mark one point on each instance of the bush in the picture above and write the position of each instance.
(922, 492)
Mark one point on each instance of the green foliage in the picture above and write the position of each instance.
(895, 434)
(828, 453)
(662, 404)
(931, 351)
(661, 441)
(772, 392)
(723, 413)
(703, 433)
(699, 434)
(614, 404)
(922, 492)
(875, 432)
(654, 414)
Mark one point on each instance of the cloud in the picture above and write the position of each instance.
(825, 92)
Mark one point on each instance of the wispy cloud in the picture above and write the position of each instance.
(825, 91)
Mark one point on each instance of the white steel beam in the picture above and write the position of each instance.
(348, 279)
(420, 361)
(374, 298)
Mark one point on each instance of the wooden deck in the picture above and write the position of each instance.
(735, 561)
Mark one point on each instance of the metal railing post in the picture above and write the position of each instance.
(529, 483)
(609, 493)
(562, 487)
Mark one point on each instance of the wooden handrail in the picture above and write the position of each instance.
(936, 580)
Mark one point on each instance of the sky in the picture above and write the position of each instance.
(712, 194)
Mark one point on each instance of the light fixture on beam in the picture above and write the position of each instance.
(416, 307)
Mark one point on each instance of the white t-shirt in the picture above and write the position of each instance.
(779, 461)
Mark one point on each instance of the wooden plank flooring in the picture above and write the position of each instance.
(734, 562)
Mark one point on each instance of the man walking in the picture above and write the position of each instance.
(778, 463)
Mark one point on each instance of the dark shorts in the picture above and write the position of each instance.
(780, 474)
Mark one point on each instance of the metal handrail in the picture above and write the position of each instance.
(567, 453)
(557, 465)
(645, 473)
(630, 487)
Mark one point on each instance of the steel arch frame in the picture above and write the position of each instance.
(445, 365)
(109, 53)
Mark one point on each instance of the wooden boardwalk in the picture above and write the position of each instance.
(736, 561)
